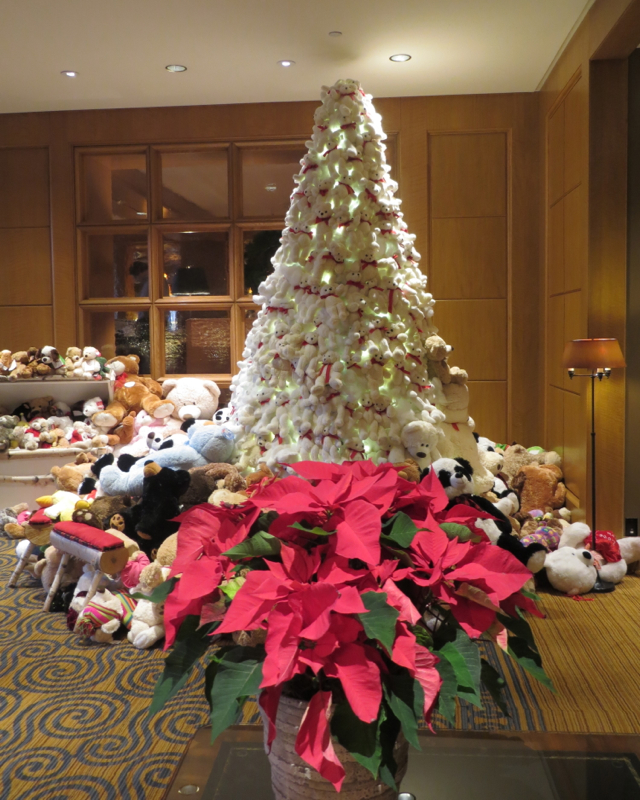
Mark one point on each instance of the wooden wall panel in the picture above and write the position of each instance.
(477, 329)
(574, 136)
(25, 326)
(555, 155)
(575, 239)
(585, 163)
(555, 249)
(24, 187)
(574, 328)
(468, 175)
(575, 445)
(555, 340)
(469, 258)
(555, 415)
(488, 407)
(25, 266)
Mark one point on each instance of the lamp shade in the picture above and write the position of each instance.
(592, 354)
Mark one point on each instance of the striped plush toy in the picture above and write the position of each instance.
(104, 614)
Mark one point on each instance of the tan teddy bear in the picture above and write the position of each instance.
(539, 486)
(69, 477)
(437, 352)
(132, 393)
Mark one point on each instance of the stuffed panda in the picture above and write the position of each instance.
(222, 415)
(456, 478)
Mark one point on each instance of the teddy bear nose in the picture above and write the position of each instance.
(421, 455)
(587, 555)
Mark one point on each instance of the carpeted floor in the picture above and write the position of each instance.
(73, 718)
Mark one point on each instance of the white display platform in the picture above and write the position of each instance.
(12, 393)
(38, 463)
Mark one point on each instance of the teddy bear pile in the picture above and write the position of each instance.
(168, 451)
(344, 361)
(528, 498)
(48, 363)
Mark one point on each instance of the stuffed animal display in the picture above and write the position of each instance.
(48, 363)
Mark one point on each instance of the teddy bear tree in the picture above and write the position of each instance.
(343, 361)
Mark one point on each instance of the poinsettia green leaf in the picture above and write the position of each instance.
(261, 544)
(402, 529)
(232, 588)
(531, 595)
(453, 529)
(316, 531)
(191, 644)
(233, 681)
(464, 657)
(160, 593)
(448, 691)
(423, 636)
(529, 660)
(380, 620)
(406, 699)
(494, 683)
(360, 738)
(518, 626)
(389, 731)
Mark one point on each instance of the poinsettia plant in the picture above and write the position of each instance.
(351, 588)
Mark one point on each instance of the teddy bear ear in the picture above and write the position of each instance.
(168, 385)
(213, 389)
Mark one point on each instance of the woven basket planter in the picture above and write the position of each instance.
(293, 779)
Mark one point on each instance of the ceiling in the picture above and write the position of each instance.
(231, 49)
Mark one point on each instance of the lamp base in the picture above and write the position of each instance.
(603, 587)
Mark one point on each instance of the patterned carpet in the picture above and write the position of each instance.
(73, 717)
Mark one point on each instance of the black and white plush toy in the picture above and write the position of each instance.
(456, 477)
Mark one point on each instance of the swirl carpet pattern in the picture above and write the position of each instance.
(73, 716)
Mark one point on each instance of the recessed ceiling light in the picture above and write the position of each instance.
(335, 33)
(271, 187)
(175, 68)
(69, 73)
(400, 57)
(286, 63)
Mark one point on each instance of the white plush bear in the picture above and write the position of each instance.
(571, 570)
(147, 623)
(193, 398)
(329, 374)
(420, 440)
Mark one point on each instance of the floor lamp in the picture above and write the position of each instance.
(599, 357)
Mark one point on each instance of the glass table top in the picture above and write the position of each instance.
(452, 765)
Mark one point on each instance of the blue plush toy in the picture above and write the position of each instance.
(206, 444)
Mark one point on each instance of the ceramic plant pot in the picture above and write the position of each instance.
(293, 779)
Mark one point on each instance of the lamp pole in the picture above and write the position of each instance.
(593, 459)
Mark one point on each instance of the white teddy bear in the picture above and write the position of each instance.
(193, 398)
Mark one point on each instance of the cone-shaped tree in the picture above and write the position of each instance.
(342, 362)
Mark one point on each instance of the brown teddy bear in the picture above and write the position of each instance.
(262, 472)
(436, 353)
(104, 509)
(408, 470)
(6, 363)
(205, 480)
(539, 486)
(132, 393)
(73, 363)
(25, 363)
(69, 477)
